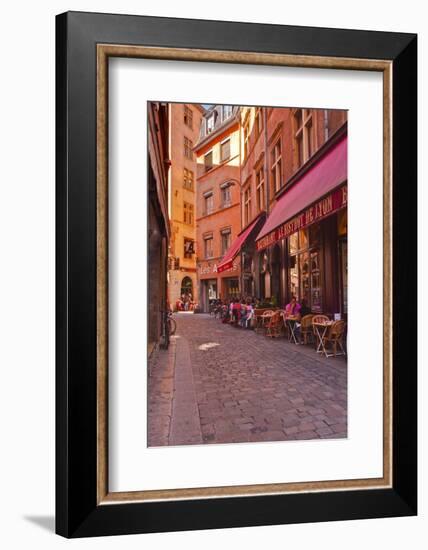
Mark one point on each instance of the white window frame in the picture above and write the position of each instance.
(260, 189)
(276, 165)
(303, 132)
(207, 124)
(206, 239)
(247, 204)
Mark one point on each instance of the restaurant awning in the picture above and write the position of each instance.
(320, 192)
(237, 244)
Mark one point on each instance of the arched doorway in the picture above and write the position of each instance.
(186, 287)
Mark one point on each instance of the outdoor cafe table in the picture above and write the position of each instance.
(320, 330)
(291, 323)
(261, 319)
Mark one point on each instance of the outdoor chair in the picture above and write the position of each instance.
(306, 329)
(264, 319)
(334, 338)
(318, 319)
(283, 321)
(274, 325)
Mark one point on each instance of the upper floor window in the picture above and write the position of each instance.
(226, 235)
(226, 111)
(188, 146)
(226, 197)
(188, 116)
(276, 167)
(208, 161)
(208, 246)
(225, 150)
(210, 124)
(303, 135)
(188, 213)
(260, 189)
(209, 202)
(189, 247)
(247, 205)
(188, 179)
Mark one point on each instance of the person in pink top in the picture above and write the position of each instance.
(293, 308)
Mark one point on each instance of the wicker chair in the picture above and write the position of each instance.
(306, 329)
(334, 338)
(264, 319)
(274, 325)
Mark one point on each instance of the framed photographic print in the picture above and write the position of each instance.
(236, 274)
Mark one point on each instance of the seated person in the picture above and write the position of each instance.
(249, 316)
(293, 309)
(244, 313)
(236, 311)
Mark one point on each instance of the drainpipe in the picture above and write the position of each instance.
(325, 125)
(240, 197)
(267, 197)
(267, 178)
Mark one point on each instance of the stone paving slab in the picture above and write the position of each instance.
(246, 388)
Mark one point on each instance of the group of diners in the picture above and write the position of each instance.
(236, 311)
(186, 303)
(241, 312)
(295, 319)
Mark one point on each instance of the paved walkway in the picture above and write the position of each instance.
(220, 384)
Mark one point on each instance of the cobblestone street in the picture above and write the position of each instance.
(221, 384)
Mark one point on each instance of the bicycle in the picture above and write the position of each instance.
(172, 324)
(169, 327)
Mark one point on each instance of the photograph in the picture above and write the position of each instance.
(213, 266)
(247, 274)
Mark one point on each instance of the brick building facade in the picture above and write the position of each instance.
(279, 146)
(217, 202)
(254, 188)
(184, 127)
(158, 219)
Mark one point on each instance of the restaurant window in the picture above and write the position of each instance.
(208, 247)
(188, 179)
(226, 196)
(305, 270)
(276, 167)
(189, 248)
(208, 161)
(209, 202)
(259, 121)
(188, 213)
(188, 146)
(232, 287)
(343, 254)
(303, 135)
(226, 236)
(226, 111)
(342, 222)
(225, 150)
(188, 116)
(260, 189)
(247, 205)
(342, 230)
(210, 124)
(212, 289)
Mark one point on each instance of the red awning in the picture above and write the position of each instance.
(230, 255)
(321, 181)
